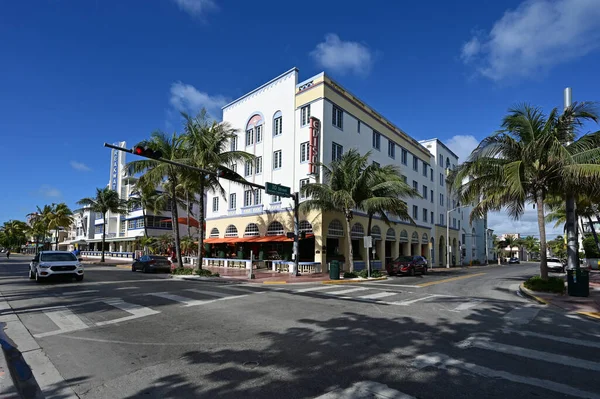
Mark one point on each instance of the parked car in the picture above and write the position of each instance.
(407, 265)
(513, 261)
(555, 265)
(151, 263)
(49, 264)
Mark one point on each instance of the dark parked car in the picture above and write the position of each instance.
(151, 263)
(407, 265)
(513, 261)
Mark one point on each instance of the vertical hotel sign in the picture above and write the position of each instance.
(313, 154)
(114, 170)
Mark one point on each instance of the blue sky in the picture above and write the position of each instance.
(78, 73)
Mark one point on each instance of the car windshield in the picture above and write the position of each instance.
(553, 260)
(404, 259)
(58, 257)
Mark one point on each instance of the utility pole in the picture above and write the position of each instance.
(571, 225)
(296, 247)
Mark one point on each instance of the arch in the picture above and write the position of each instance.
(275, 229)
(358, 231)
(256, 119)
(277, 114)
(277, 123)
(335, 229)
(403, 236)
(415, 237)
(251, 230)
(425, 238)
(305, 227)
(390, 235)
(214, 233)
(231, 231)
(376, 233)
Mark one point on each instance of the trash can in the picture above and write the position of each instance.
(334, 270)
(578, 282)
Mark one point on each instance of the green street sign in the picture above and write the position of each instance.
(277, 189)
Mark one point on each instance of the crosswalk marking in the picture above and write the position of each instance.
(136, 311)
(411, 301)
(347, 291)
(321, 288)
(466, 305)
(65, 320)
(208, 292)
(126, 288)
(522, 315)
(442, 361)
(80, 292)
(177, 298)
(481, 343)
(378, 295)
(572, 341)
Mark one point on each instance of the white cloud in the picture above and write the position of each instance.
(196, 7)
(80, 166)
(534, 37)
(49, 191)
(462, 145)
(188, 99)
(527, 225)
(340, 56)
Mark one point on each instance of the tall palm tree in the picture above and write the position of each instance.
(14, 234)
(105, 201)
(145, 196)
(40, 221)
(499, 246)
(209, 147)
(530, 243)
(61, 217)
(534, 156)
(158, 174)
(510, 242)
(345, 187)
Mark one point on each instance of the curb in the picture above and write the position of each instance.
(592, 315)
(218, 280)
(528, 293)
(353, 281)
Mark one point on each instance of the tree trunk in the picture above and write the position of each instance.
(174, 218)
(369, 225)
(542, 227)
(349, 255)
(56, 247)
(187, 199)
(571, 227)
(499, 258)
(594, 232)
(201, 225)
(103, 237)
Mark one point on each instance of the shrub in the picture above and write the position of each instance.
(553, 284)
(376, 273)
(590, 248)
(363, 273)
(350, 275)
(182, 271)
(204, 272)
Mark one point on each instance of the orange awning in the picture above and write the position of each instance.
(227, 240)
(193, 222)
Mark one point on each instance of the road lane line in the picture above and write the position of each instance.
(177, 298)
(571, 341)
(411, 301)
(378, 295)
(476, 342)
(127, 288)
(65, 320)
(442, 361)
(79, 292)
(447, 280)
(347, 291)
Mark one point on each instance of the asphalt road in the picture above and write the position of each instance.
(455, 334)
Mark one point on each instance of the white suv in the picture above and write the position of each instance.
(47, 264)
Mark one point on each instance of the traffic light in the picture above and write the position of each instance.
(146, 152)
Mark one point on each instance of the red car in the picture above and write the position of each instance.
(407, 265)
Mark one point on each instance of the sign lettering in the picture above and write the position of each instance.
(313, 151)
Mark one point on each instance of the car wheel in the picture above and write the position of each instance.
(132, 268)
(425, 271)
(412, 271)
(79, 278)
(31, 275)
(145, 269)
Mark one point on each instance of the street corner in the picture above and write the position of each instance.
(590, 315)
(533, 295)
(354, 281)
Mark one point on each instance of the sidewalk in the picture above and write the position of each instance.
(587, 306)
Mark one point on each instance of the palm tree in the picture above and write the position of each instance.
(530, 243)
(510, 242)
(144, 196)
(106, 201)
(345, 187)
(61, 217)
(209, 147)
(499, 246)
(13, 234)
(40, 221)
(534, 156)
(158, 173)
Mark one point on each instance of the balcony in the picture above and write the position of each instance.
(252, 209)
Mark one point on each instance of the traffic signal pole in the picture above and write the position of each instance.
(296, 247)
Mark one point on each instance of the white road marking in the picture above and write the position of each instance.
(127, 288)
(319, 288)
(47, 376)
(177, 298)
(366, 389)
(65, 320)
(442, 361)
(571, 341)
(378, 295)
(21, 337)
(522, 315)
(208, 292)
(466, 305)
(347, 291)
(411, 301)
(482, 343)
(79, 292)
(136, 311)
(393, 285)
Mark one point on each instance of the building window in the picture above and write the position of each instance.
(424, 192)
(447, 163)
(248, 168)
(305, 227)
(391, 149)
(416, 185)
(441, 199)
(442, 179)
(214, 233)
(258, 133)
(232, 201)
(247, 197)
(337, 117)
(336, 151)
(257, 197)
(258, 165)
(231, 231)
(275, 199)
(441, 160)
(405, 179)
(215, 204)
(277, 159)
(442, 219)
(431, 172)
(277, 125)
(425, 214)
(431, 192)
(415, 163)
(98, 229)
(304, 152)
(454, 222)
(415, 212)
(305, 115)
(425, 168)
(432, 220)
(275, 229)
(358, 127)
(98, 215)
(249, 137)
(303, 183)
(251, 230)
(376, 164)
(459, 224)
(404, 157)
(135, 224)
(122, 227)
(376, 140)
(454, 205)
(233, 146)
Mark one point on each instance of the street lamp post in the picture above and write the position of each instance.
(448, 234)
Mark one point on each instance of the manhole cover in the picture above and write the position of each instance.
(250, 365)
